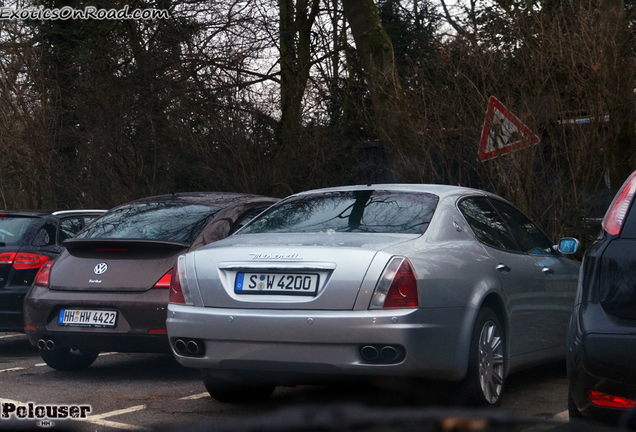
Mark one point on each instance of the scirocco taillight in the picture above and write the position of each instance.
(43, 277)
(617, 211)
(179, 289)
(165, 280)
(397, 287)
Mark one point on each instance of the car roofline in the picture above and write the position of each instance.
(437, 189)
(67, 212)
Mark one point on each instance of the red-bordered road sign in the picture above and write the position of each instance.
(503, 132)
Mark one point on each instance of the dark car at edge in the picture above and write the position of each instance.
(28, 239)
(601, 354)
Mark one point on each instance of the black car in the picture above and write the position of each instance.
(601, 354)
(28, 239)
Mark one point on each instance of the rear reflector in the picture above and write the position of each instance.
(158, 331)
(609, 401)
(29, 261)
(617, 211)
(164, 282)
(44, 274)
(29, 327)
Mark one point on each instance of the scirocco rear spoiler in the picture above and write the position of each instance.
(120, 245)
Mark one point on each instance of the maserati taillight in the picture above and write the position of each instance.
(179, 288)
(176, 293)
(397, 287)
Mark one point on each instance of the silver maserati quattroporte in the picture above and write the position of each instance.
(391, 281)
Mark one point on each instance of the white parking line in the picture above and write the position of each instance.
(563, 416)
(99, 419)
(12, 369)
(39, 364)
(196, 396)
(116, 425)
(12, 336)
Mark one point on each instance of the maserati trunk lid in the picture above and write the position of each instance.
(317, 271)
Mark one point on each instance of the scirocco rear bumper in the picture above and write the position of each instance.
(428, 343)
(139, 326)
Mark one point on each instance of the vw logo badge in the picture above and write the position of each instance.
(100, 268)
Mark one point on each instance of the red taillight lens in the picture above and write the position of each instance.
(6, 258)
(403, 290)
(609, 401)
(44, 275)
(29, 261)
(176, 293)
(615, 216)
(164, 282)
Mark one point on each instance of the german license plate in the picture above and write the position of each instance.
(276, 283)
(87, 318)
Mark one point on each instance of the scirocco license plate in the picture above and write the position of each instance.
(87, 318)
(276, 283)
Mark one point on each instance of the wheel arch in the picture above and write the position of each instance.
(495, 302)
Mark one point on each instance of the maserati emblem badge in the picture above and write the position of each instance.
(100, 268)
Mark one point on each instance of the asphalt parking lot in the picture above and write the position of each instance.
(150, 391)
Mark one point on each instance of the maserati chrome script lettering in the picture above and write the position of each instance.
(266, 256)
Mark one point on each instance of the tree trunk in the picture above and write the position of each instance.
(296, 21)
(376, 52)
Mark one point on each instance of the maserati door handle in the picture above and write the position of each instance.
(503, 268)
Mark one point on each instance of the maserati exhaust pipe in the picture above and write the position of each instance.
(180, 346)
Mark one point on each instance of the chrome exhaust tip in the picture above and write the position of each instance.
(180, 346)
(42, 344)
(193, 347)
(50, 345)
(369, 353)
(389, 353)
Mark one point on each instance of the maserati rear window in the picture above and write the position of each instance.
(13, 229)
(364, 211)
(164, 221)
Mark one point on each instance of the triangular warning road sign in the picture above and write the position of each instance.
(503, 132)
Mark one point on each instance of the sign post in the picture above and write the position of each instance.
(503, 132)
